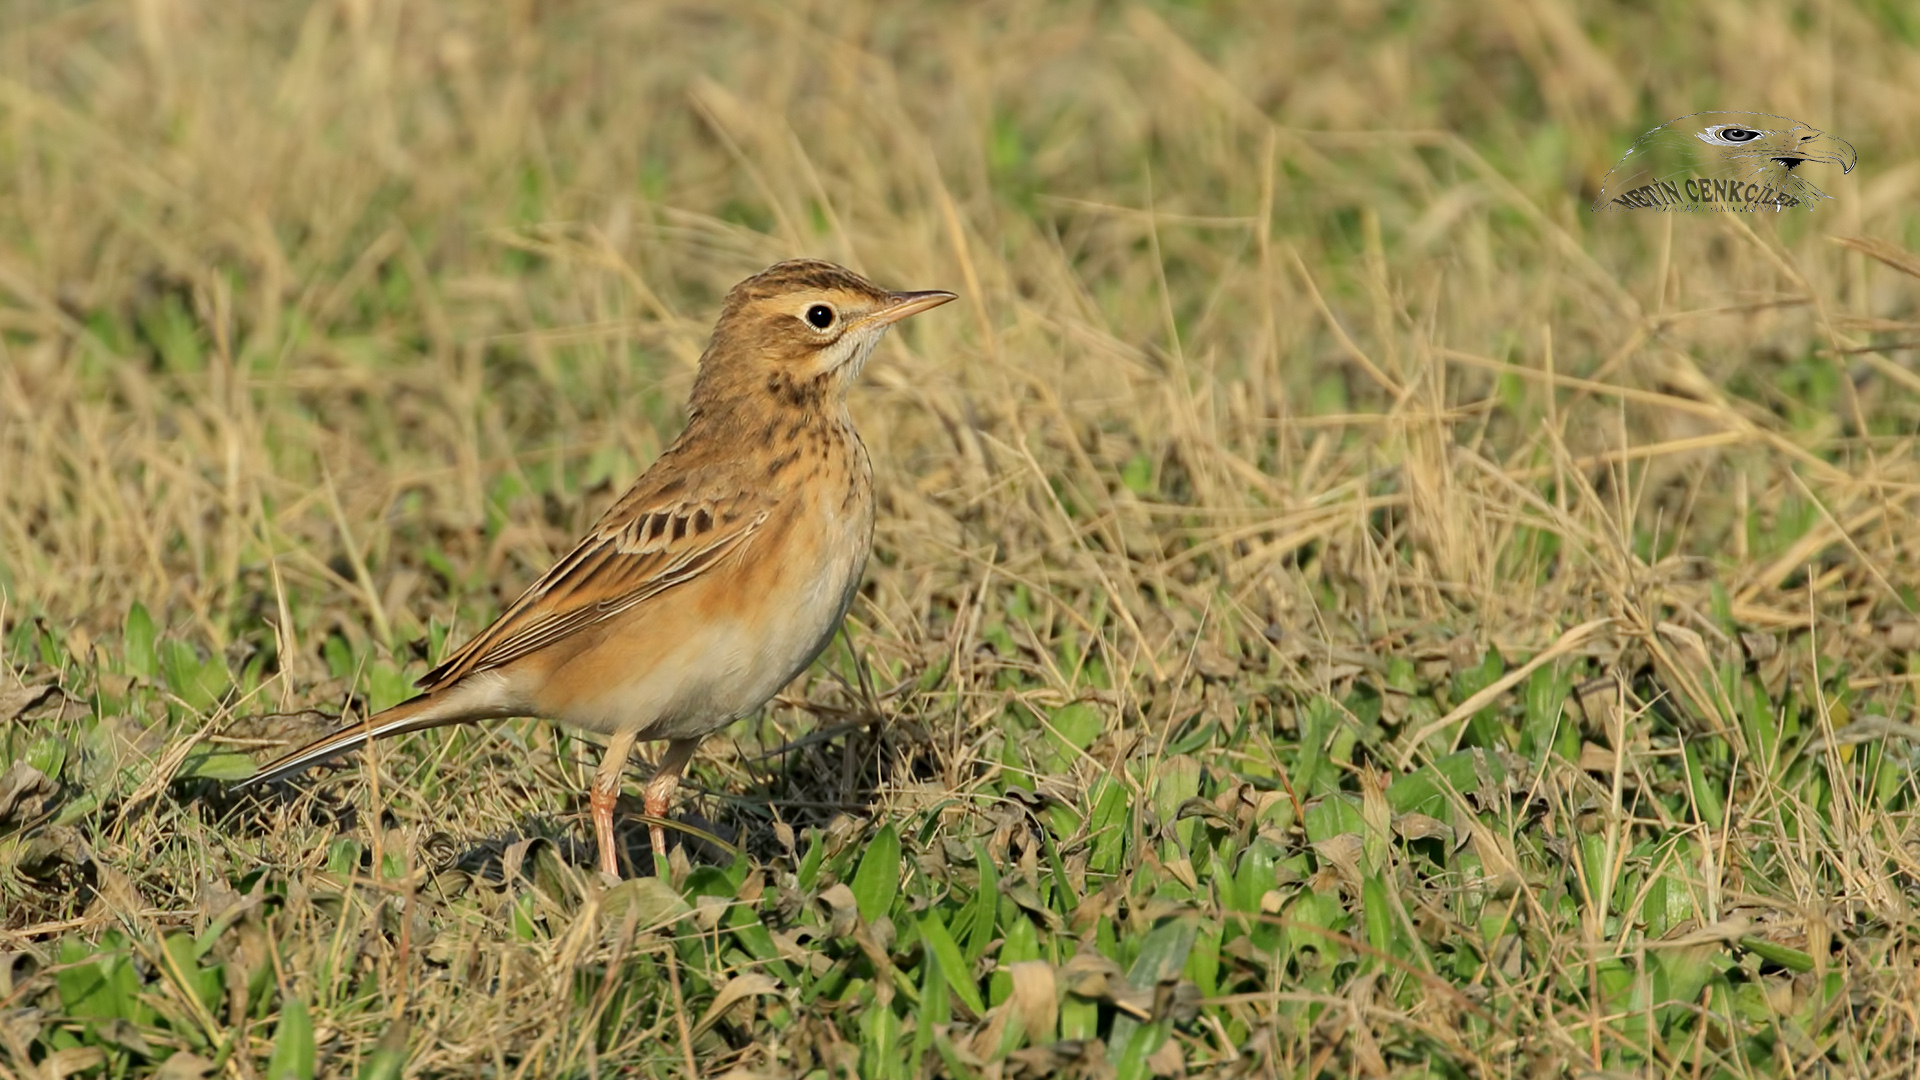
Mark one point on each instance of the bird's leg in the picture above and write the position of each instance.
(660, 789)
(604, 793)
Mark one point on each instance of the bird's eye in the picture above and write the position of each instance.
(1739, 134)
(820, 316)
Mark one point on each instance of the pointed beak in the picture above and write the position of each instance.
(1824, 147)
(902, 304)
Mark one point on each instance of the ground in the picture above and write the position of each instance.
(1340, 606)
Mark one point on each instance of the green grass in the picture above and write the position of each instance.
(1339, 607)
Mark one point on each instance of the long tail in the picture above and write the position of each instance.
(415, 714)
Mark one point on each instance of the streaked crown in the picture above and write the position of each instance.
(800, 330)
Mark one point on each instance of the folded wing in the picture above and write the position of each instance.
(636, 551)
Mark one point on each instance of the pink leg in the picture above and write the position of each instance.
(660, 789)
(604, 793)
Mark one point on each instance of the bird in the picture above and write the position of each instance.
(1722, 161)
(721, 574)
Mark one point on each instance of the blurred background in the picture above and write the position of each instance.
(291, 278)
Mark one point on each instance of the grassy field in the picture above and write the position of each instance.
(1339, 608)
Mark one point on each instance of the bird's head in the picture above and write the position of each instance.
(1758, 137)
(1722, 160)
(801, 330)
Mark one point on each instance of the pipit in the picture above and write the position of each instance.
(719, 576)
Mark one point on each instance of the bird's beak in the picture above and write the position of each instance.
(1824, 147)
(902, 304)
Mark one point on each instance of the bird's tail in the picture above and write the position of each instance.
(425, 711)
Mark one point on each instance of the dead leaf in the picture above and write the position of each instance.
(52, 846)
(515, 857)
(1595, 758)
(75, 1059)
(651, 901)
(708, 909)
(1205, 808)
(1083, 1057)
(122, 1033)
(1325, 880)
(1417, 826)
(1343, 853)
(1095, 907)
(1182, 871)
(736, 990)
(23, 792)
(1168, 1060)
(1366, 1049)
(1760, 646)
(1499, 866)
(1024, 894)
(986, 1041)
(279, 729)
(1090, 974)
(1035, 998)
(15, 700)
(1213, 664)
(183, 1065)
(1177, 1000)
(843, 910)
(1688, 642)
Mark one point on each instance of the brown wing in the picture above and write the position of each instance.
(643, 546)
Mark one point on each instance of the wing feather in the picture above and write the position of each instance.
(630, 556)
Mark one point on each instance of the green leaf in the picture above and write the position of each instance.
(1425, 790)
(292, 1044)
(940, 943)
(1203, 962)
(1790, 958)
(206, 984)
(1706, 794)
(387, 685)
(140, 636)
(877, 880)
(809, 871)
(1163, 956)
(209, 763)
(880, 1054)
(47, 754)
(749, 928)
(198, 682)
(1177, 779)
(985, 906)
(526, 925)
(1022, 942)
(935, 1009)
(1379, 917)
(1077, 725)
(100, 983)
(1108, 824)
(1311, 909)
(1334, 815)
(343, 856)
(389, 1055)
(339, 656)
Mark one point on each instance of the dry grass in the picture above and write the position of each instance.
(1404, 623)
